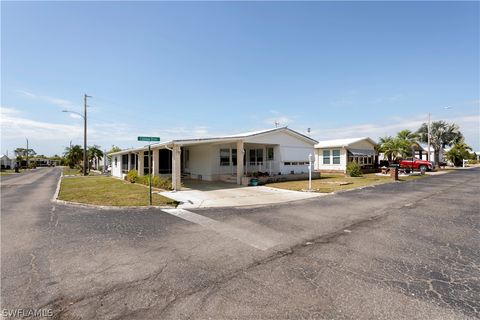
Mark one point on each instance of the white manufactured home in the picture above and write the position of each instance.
(279, 151)
(334, 155)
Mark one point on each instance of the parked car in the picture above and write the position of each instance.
(416, 164)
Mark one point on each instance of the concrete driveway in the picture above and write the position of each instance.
(206, 194)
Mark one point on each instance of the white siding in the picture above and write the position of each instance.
(291, 149)
(201, 161)
(319, 165)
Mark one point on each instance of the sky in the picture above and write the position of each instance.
(198, 69)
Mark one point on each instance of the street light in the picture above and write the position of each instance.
(84, 116)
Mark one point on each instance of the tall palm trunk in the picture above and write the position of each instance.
(436, 156)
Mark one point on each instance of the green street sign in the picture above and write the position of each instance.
(148, 138)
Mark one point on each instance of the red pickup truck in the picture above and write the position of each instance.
(416, 164)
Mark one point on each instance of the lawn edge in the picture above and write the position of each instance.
(98, 206)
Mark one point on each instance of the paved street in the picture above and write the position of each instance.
(397, 251)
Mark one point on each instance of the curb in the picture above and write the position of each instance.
(57, 191)
(87, 205)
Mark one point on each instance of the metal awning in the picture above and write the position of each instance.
(361, 152)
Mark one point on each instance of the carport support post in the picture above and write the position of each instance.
(176, 168)
(155, 162)
(240, 168)
(140, 163)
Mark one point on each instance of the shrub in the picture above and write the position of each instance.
(157, 182)
(354, 170)
(32, 165)
(132, 176)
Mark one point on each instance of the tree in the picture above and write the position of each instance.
(458, 153)
(441, 135)
(22, 152)
(394, 148)
(114, 149)
(399, 146)
(94, 152)
(73, 155)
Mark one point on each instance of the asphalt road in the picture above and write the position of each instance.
(397, 251)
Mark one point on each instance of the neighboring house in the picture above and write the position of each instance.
(334, 155)
(6, 162)
(278, 151)
(423, 154)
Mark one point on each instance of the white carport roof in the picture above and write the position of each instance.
(341, 143)
(226, 138)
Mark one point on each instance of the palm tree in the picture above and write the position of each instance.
(395, 148)
(73, 155)
(94, 152)
(409, 139)
(458, 153)
(441, 135)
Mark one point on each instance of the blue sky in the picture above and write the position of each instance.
(186, 69)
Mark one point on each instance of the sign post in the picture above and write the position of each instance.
(150, 139)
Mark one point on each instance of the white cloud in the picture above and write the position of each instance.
(15, 126)
(52, 100)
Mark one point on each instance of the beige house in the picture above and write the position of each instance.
(334, 155)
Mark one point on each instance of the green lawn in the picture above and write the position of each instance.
(109, 192)
(331, 182)
(6, 172)
(67, 171)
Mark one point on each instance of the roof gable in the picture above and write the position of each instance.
(336, 143)
(225, 138)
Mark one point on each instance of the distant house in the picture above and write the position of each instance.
(421, 152)
(229, 158)
(334, 155)
(6, 162)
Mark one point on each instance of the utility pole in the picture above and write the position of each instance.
(428, 138)
(85, 162)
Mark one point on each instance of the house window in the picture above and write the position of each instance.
(224, 157)
(125, 163)
(269, 154)
(287, 163)
(146, 163)
(252, 156)
(326, 156)
(164, 161)
(336, 156)
(116, 160)
(259, 155)
(187, 159)
(234, 157)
